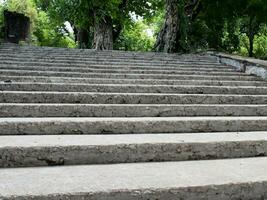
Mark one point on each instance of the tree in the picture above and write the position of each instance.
(253, 18)
(173, 34)
(1, 21)
(49, 33)
(136, 36)
(102, 19)
(167, 38)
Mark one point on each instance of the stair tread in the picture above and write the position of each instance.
(154, 113)
(130, 119)
(69, 80)
(130, 125)
(128, 85)
(105, 140)
(125, 93)
(138, 179)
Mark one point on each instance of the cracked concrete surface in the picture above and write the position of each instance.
(17, 151)
(168, 181)
(69, 116)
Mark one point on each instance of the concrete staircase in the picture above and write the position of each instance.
(83, 124)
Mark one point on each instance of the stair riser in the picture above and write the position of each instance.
(119, 63)
(134, 89)
(115, 57)
(84, 67)
(94, 98)
(67, 127)
(42, 79)
(244, 191)
(100, 55)
(128, 153)
(128, 111)
(116, 66)
(125, 76)
(89, 59)
(123, 71)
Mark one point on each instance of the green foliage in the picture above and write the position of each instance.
(83, 14)
(199, 35)
(49, 34)
(156, 21)
(224, 25)
(1, 21)
(228, 25)
(26, 7)
(260, 44)
(231, 37)
(44, 31)
(136, 36)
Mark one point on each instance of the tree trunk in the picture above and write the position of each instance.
(251, 36)
(167, 38)
(103, 33)
(192, 9)
(251, 45)
(83, 38)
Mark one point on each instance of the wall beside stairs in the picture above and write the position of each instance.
(242, 64)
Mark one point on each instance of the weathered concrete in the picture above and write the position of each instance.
(72, 107)
(69, 80)
(84, 67)
(164, 181)
(127, 98)
(129, 110)
(129, 70)
(133, 88)
(32, 52)
(34, 59)
(248, 65)
(128, 76)
(59, 126)
(18, 151)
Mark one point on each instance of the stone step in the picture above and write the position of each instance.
(102, 55)
(106, 54)
(54, 79)
(125, 71)
(119, 65)
(32, 151)
(244, 178)
(137, 70)
(18, 52)
(129, 110)
(134, 125)
(80, 59)
(127, 98)
(89, 56)
(109, 63)
(128, 76)
(133, 88)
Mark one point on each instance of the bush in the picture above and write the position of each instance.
(1, 21)
(136, 36)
